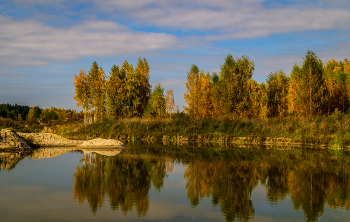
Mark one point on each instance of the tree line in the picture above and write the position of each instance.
(126, 92)
(311, 89)
(15, 112)
(27, 113)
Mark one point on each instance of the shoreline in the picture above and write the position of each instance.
(12, 141)
(33, 140)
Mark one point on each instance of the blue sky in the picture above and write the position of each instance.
(44, 43)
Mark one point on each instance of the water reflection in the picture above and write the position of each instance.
(125, 181)
(228, 176)
(230, 184)
(50, 152)
(8, 160)
(313, 179)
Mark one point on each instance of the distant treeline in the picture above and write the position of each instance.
(54, 113)
(312, 89)
(15, 112)
(19, 112)
(126, 92)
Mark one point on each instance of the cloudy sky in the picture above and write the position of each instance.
(44, 43)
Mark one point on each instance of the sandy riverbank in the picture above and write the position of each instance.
(21, 141)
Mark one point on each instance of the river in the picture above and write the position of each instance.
(159, 182)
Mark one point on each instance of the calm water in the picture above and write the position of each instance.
(175, 183)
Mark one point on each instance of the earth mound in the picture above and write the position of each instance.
(10, 140)
(19, 141)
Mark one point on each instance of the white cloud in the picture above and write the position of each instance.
(222, 19)
(233, 19)
(31, 42)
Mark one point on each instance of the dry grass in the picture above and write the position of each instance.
(316, 130)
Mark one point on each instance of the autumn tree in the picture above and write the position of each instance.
(144, 88)
(204, 95)
(156, 106)
(254, 99)
(312, 91)
(82, 92)
(125, 93)
(170, 102)
(347, 73)
(263, 110)
(31, 114)
(293, 91)
(115, 93)
(132, 97)
(216, 95)
(96, 79)
(342, 81)
(235, 87)
(307, 90)
(191, 95)
(277, 91)
(49, 113)
(337, 83)
(34, 113)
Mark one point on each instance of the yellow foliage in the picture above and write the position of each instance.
(170, 102)
(204, 97)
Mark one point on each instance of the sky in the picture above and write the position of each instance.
(44, 43)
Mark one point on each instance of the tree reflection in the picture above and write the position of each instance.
(230, 185)
(308, 192)
(126, 181)
(313, 179)
(277, 183)
(338, 192)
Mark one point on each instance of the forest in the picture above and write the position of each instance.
(312, 89)
(15, 112)
(125, 93)
(35, 119)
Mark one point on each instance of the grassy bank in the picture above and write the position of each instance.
(333, 130)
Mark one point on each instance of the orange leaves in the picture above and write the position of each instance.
(82, 90)
(204, 96)
(294, 89)
(254, 99)
(192, 91)
(31, 114)
(198, 94)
